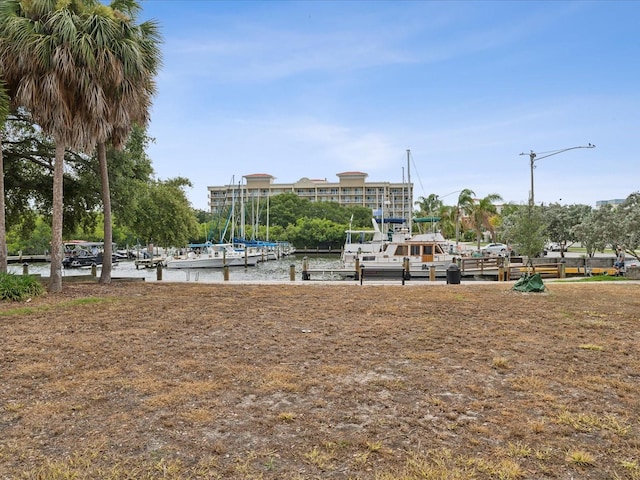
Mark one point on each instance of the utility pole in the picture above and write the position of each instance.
(534, 157)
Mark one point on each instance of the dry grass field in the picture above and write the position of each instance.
(322, 381)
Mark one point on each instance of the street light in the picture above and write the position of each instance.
(533, 157)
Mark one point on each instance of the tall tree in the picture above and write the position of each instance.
(430, 205)
(45, 65)
(164, 216)
(626, 224)
(80, 88)
(128, 58)
(464, 205)
(4, 111)
(594, 232)
(480, 214)
(560, 221)
(447, 222)
(525, 228)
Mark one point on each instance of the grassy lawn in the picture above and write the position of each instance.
(316, 381)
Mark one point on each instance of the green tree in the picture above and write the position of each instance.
(4, 111)
(202, 215)
(61, 68)
(128, 58)
(560, 220)
(311, 232)
(525, 228)
(285, 209)
(29, 158)
(129, 170)
(428, 206)
(41, 53)
(594, 232)
(447, 222)
(361, 215)
(164, 215)
(32, 236)
(480, 214)
(625, 226)
(464, 205)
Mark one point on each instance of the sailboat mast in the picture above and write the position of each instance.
(409, 192)
(242, 219)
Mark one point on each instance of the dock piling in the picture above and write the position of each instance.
(159, 271)
(25, 268)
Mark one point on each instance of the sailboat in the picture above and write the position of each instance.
(212, 255)
(216, 255)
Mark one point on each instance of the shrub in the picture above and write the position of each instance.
(19, 287)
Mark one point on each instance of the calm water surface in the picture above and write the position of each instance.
(275, 270)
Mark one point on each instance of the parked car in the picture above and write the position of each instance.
(499, 249)
(553, 247)
(630, 261)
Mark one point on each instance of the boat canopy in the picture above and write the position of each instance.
(391, 220)
(426, 219)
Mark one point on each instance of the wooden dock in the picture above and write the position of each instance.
(28, 258)
(481, 268)
(149, 262)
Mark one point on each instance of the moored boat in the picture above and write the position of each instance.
(210, 255)
(389, 255)
(79, 253)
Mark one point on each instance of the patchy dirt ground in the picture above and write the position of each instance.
(322, 381)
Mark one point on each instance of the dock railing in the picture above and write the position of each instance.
(478, 265)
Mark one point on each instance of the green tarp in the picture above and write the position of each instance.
(529, 283)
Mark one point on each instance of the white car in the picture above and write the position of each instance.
(630, 261)
(499, 249)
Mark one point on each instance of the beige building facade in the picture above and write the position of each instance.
(391, 200)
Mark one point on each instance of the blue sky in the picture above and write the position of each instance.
(315, 88)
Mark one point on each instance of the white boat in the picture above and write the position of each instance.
(388, 255)
(210, 255)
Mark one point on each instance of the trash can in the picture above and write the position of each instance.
(453, 274)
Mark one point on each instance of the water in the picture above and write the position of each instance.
(274, 270)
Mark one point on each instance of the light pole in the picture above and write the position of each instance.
(533, 157)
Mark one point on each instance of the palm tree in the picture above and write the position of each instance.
(464, 205)
(447, 222)
(41, 54)
(4, 110)
(481, 213)
(128, 58)
(429, 206)
(77, 85)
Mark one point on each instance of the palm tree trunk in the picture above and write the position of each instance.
(55, 278)
(105, 274)
(3, 233)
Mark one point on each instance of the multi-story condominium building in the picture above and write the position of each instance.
(391, 200)
(615, 202)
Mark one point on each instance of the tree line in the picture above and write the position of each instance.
(84, 73)
(77, 79)
(529, 227)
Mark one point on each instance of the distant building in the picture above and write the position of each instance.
(391, 200)
(615, 202)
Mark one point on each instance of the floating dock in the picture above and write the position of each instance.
(149, 262)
